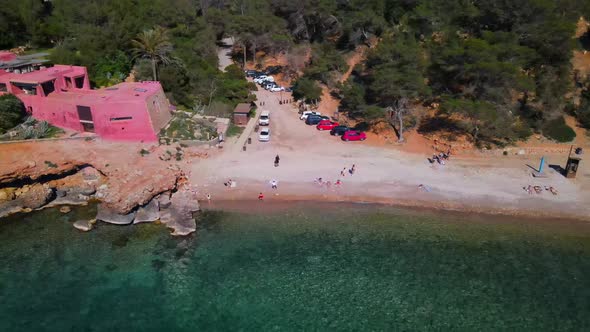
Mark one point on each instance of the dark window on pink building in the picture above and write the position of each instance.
(27, 88)
(123, 118)
(48, 87)
(3, 87)
(79, 81)
(68, 82)
(84, 113)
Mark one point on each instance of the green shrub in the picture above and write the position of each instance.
(12, 112)
(522, 130)
(234, 130)
(307, 89)
(144, 152)
(558, 130)
(219, 109)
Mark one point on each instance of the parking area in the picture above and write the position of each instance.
(288, 132)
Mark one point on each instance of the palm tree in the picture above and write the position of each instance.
(153, 44)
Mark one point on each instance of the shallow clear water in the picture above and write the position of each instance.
(306, 267)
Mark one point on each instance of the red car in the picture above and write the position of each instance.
(326, 125)
(353, 135)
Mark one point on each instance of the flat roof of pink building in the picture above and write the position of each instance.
(123, 92)
(45, 75)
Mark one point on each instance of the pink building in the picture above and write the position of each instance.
(61, 95)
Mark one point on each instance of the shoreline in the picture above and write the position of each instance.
(527, 207)
(285, 201)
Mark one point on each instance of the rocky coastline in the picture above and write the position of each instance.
(129, 190)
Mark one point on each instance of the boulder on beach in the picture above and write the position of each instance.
(36, 196)
(148, 213)
(84, 225)
(109, 216)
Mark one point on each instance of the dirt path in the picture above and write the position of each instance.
(328, 105)
(224, 53)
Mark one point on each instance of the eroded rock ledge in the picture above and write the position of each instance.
(124, 181)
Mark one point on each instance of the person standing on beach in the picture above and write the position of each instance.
(351, 170)
(277, 159)
(273, 183)
(260, 197)
(208, 197)
(343, 171)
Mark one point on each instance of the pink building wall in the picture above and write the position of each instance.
(125, 112)
(7, 56)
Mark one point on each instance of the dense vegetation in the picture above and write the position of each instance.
(497, 70)
(12, 112)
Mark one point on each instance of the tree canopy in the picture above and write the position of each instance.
(493, 63)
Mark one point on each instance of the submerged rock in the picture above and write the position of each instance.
(84, 225)
(148, 213)
(65, 209)
(107, 215)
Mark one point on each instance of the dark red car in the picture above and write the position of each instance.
(353, 135)
(326, 125)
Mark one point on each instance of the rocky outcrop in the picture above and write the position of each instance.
(113, 217)
(138, 188)
(26, 199)
(148, 213)
(77, 169)
(179, 214)
(124, 180)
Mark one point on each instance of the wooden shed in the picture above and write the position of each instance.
(241, 114)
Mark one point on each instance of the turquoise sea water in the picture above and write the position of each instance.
(301, 267)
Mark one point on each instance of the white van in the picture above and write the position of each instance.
(264, 119)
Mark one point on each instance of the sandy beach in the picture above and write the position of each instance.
(478, 182)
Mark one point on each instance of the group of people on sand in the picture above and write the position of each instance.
(440, 158)
(530, 189)
(350, 170)
(338, 182)
(328, 184)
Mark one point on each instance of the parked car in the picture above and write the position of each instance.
(264, 135)
(263, 78)
(251, 73)
(273, 70)
(264, 119)
(315, 119)
(277, 88)
(289, 89)
(307, 113)
(353, 135)
(339, 130)
(326, 125)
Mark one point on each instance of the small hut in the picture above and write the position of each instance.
(241, 114)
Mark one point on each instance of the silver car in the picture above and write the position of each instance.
(264, 135)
